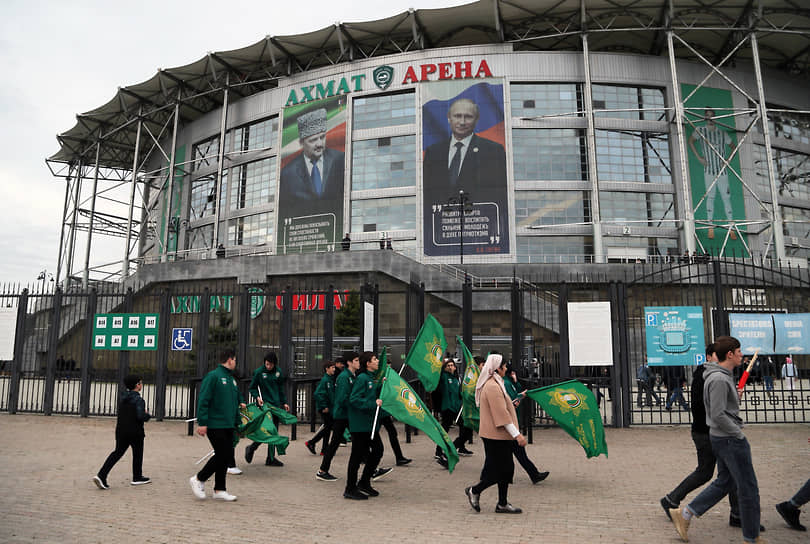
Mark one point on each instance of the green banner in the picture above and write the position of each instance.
(714, 169)
(470, 413)
(257, 425)
(399, 400)
(425, 356)
(574, 408)
(125, 332)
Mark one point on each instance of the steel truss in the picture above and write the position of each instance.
(114, 143)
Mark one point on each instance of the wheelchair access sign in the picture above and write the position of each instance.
(181, 339)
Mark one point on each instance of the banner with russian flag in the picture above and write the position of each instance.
(311, 180)
(464, 169)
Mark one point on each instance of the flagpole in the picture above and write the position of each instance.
(204, 457)
(376, 414)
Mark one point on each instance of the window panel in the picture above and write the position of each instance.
(251, 230)
(203, 195)
(392, 164)
(201, 237)
(397, 213)
(554, 249)
(654, 208)
(792, 173)
(537, 208)
(549, 155)
(537, 99)
(641, 157)
(636, 102)
(384, 111)
(254, 184)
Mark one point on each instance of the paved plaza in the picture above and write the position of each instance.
(46, 465)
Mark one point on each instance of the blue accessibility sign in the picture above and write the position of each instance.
(181, 339)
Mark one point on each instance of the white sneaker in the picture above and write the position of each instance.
(197, 487)
(224, 496)
(234, 470)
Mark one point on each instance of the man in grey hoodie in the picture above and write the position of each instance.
(734, 465)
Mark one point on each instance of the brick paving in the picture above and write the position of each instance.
(46, 465)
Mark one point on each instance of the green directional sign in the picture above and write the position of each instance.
(132, 332)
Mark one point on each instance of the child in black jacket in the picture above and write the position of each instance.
(128, 433)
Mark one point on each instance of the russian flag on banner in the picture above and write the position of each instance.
(487, 96)
(335, 127)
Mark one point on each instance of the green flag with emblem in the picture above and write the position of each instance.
(470, 413)
(257, 425)
(399, 400)
(427, 351)
(378, 376)
(574, 408)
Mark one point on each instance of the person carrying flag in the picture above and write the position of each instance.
(343, 388)
(267, 385)
(363, 404)
(450, 406)
(324, 400)
(498, 429)
(512, 386)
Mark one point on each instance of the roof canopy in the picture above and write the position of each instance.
(713, 27)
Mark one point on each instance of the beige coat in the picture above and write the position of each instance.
(497, 410)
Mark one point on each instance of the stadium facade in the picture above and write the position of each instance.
(601, 132)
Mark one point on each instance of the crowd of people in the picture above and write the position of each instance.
(348, 398)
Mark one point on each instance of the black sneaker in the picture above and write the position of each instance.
(367, 489)
(325, 476)
(540, 477)
(274, 462)
(100, 482)
(354, 495)
(464, 452)
(140, 480)
(666, 504)
(249, 451)
(442, 460)
(737, 522)
(311, 447)
(473, 499)
(507, 509)
(381, 473)
(791, 515)
(404, 461)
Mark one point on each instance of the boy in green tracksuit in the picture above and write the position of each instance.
(343, 388)
(218, 417)
(450, 390)
(267, 386)
(363, 403)
(324, 401)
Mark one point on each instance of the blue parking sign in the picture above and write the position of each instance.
(181, 339)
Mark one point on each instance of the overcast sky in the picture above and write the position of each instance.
(61, 58)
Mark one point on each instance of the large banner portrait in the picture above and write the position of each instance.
(714, 170)
(310, 194)
(463, 148)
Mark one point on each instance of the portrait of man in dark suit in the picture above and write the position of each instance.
(465, 161)
(311, 187)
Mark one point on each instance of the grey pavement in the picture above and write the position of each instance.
(46, 466)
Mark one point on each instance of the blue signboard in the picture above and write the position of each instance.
(792, 333)
(181, 339)
(674, 335)
(754, 331)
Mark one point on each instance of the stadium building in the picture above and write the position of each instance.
(596, 132)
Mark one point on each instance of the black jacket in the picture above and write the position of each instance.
(131, 414)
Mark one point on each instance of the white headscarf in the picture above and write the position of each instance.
(490, 370)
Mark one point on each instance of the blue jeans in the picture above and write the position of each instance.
(734, 467)
(802, 496)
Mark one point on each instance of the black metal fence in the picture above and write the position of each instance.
(54, 368)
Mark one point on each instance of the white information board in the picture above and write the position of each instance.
(368, 326)
(589, 336)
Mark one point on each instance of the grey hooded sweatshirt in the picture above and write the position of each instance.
(722, 403)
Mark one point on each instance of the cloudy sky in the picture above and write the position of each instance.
(62, 58)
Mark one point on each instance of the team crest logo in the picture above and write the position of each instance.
(383, 76)
(257, 302)
(568, 400)
(411, 402)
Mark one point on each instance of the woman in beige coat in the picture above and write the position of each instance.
(498, 430)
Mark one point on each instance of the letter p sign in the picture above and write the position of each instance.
(652, 320)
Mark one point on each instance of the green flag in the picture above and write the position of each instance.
(283, 416)
(574, 408)
(426, 353)
(470, 413)
(257, 425)
(400, 401)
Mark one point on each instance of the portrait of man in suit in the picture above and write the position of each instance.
(310, 199)
(469, 162)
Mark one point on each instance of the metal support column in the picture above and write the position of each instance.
(590, 143)
(328, 324)
(778, 223)
(123, 355)
(53, 346)
(128, 235)
(167, 218)
(562, 301)
(220, 160)
(19, 344)
(720, 316)
(87, 353)
(86, 277)
(71, 249)
(162, 363)
(686, 189)
(64, 222)
(517, 326)
(243, 333)
(466, 313)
